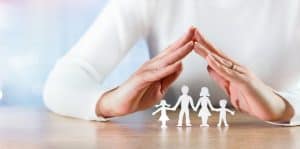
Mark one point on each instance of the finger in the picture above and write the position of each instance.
(200, 38)
(166, 82)
(224, 84)
(202, 41)
(222, 70)
(151, 96)
(174, 56)
(234, 98)
(229, 64)
(244, 106)
(185, 39)
(153, 75)
(178, 55)
(157, 90)
(237, 100)
(201, 50)
(179, 43)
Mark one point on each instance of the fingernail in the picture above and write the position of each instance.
(197, 43)
(191, 43)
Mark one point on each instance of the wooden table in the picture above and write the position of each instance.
(35, 127)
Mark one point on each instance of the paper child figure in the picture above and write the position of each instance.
(163, 113)
(185, 101)
(204, 101)
(223, 110)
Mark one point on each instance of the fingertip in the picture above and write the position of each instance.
(193, 28)
(191, 43)
(196, 43)
(179, 63)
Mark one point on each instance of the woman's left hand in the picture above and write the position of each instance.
(246, 91)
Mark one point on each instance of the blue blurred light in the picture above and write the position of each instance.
(1, 94)
(34, 34)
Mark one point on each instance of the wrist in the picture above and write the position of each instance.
(104, 106)
(288, 111)
(274, 107)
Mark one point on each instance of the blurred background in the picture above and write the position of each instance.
(35, 33)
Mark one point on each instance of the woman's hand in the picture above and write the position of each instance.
(246, 91)
(149, 83)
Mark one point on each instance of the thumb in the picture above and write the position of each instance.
(224, 84)
(167, 81)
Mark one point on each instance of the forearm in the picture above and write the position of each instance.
(72, 91)
(103, 108)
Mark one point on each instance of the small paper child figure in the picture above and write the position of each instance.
(163, 113)
(185, 101)
(204, 101)
(223, 110)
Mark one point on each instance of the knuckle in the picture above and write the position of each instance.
(246, 82)
(147, 63)
(141, 78)
(169, 47)
(226, 69)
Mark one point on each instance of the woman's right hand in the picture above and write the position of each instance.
(149, 83)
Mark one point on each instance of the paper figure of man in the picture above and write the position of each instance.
(185, 101)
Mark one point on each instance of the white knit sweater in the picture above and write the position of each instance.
(263, 35)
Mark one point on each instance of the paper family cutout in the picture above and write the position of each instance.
(185, 101)
(163, 107)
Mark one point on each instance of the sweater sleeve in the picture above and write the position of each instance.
(74, 86)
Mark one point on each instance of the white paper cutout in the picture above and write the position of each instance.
(204, 102)
(222, 114)
(163, 107)
(185, 101)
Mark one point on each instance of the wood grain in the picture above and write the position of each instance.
(35, 127)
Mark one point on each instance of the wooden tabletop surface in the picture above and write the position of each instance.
(35, 127)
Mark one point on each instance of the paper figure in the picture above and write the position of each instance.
(163, 107)
(223, 110)
(204, 102)
(185, 101)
